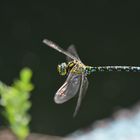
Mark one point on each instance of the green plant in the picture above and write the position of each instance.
(15, 100)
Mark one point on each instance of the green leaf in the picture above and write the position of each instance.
(14, 100)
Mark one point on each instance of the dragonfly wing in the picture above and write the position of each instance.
(58, 48)
(72, 50)
(69, 89)
(83, 89)
(85, 86)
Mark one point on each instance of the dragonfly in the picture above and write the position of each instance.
(76, 72)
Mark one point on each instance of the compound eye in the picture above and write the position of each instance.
(59, 69)
(62, 69)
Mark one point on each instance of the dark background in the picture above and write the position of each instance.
(105, 32)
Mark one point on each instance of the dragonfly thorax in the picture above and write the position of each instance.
(65, 68)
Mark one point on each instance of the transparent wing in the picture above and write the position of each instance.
(58, 48)
(71, 49)
(85, 86)
(69, 89)
(83, 89)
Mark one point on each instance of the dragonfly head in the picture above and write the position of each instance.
(62, 69)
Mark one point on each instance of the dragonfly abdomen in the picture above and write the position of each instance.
(90, 69)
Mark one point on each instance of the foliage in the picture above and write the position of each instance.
(15, 101)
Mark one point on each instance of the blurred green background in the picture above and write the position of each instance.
(105, 32)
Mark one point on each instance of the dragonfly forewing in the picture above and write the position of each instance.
(71, 49)
(58, 48)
